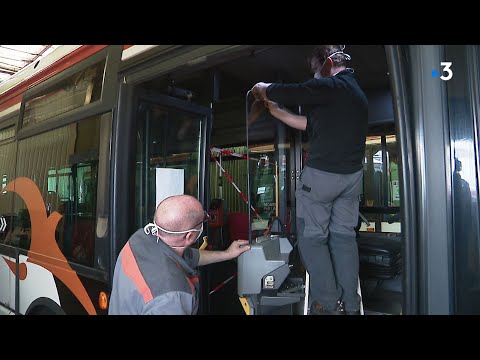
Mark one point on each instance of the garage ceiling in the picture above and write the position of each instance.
(14, 58)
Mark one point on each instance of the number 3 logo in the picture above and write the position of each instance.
(446, 69)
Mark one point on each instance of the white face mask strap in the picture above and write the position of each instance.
(347, 57)
(318, 74)
(198, 236)
(153, 229)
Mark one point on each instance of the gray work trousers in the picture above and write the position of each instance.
(327, 213)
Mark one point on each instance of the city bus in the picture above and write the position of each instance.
(92, 137)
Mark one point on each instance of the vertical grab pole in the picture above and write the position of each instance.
(248, 168)
(307, 293)
(361, 299)
(276, 188)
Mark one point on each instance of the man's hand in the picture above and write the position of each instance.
(295, 121)
(259, 91)
(256, 110)
(237, 247)
(272, 106)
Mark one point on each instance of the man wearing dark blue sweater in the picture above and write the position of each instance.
(330, 184)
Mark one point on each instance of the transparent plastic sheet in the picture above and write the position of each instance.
(262, 168)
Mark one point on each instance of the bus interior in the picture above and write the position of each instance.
(275, 158)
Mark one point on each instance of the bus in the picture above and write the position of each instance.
(92, 137)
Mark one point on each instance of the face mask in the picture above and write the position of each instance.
(153, 229)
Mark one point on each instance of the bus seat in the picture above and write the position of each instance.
(380, 255)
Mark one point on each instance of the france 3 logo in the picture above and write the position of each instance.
(447, 73)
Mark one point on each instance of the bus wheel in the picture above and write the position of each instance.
(42, 310)
(44, 306)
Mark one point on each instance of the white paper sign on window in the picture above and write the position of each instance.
(168, 182)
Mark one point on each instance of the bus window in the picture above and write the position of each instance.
(372, 193)
(220, 186)
(381, 192)
(63, 164)
(81, 89)
(392, 172)
(7, 171)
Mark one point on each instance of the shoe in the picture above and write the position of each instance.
(317, 309)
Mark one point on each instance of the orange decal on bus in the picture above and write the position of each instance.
(22, 271)
(44, 250)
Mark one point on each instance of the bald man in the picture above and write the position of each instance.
(155, 271)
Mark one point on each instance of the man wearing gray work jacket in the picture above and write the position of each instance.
(330, 184)
(155, 273)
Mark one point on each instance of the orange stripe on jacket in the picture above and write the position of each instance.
(131, 269)
(191, 281)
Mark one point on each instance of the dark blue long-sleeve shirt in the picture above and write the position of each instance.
(337, 119)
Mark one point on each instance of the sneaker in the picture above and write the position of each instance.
(317, 309)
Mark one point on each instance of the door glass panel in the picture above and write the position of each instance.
(168, 157)
(463, 123)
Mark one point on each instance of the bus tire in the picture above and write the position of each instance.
(44, 306)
